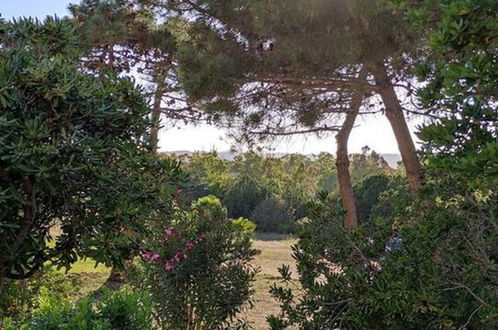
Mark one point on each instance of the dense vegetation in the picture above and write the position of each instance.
(74, 151)
(273, 191)
(414, 247)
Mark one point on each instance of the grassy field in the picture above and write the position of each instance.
(275, 251)
(91, 277)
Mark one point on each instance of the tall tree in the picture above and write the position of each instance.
(273, 68)
(342, 161)
(121, 36)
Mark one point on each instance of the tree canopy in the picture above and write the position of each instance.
(75, 154)
(276, 68)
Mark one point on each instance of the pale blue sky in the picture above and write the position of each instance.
(374, 132)
(35, 8)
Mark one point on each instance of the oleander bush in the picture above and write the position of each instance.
(198, 269)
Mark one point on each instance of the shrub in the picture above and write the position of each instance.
(381, 195)
(393, 200)
(273, 215)
(19, 298)
(427, 269)
(56, 314)
(123, 310)
(74, 152)
(244, 195)
(127, 310)
(198, 268)
(367, 194)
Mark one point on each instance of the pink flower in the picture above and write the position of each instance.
(152, 256)
(170, 231)
(190, 245)
(168, 266)
(179, 256)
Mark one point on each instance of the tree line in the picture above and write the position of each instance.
(273, 192)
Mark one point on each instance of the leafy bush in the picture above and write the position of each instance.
(198, 269)
(428, 268)
(367, 194)
(126, 309)
(381, 196)
(74, 152)
(273, 215)
(244, 195)
(123, 310)
(393, 200)
(19, 298)
(56, 314)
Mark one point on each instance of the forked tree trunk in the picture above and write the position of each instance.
(394, 113)
(342, 159)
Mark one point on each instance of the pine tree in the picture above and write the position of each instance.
(275, 68)
(124, 37)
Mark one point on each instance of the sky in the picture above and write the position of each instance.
(372, 131)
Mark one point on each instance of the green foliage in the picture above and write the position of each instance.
(244, 226)
(122, 309)
(245, 194)
(74, 153)
(367, 163)
(393, 200)
(126, 309)
(115, 34)
(198, 269)
(423, 270)
(275, 67)
(203, 75)
(428, 263)
(367, 195)
(250, 185)
(273, 215)
(381, 195)
(56, 314)
(209, 174)
(461, 79)
(19, 298)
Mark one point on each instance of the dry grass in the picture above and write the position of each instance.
(275, 252)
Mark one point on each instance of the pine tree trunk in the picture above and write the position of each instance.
(156, 116)
(394, 113)
(344, 179)
(342, 159)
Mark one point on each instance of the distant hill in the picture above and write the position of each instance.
(391, 159)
